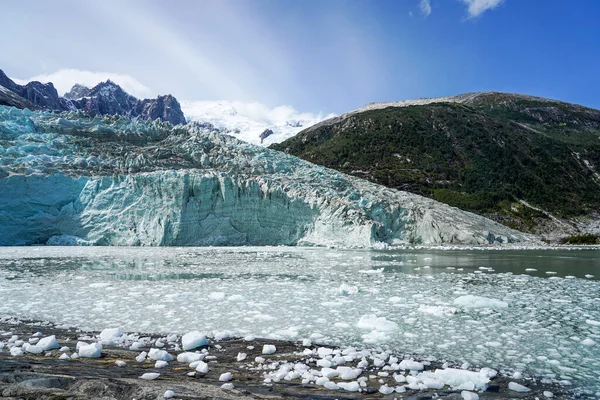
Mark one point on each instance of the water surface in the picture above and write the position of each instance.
(411, 301)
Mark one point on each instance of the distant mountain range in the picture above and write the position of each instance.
(528, 162)
(105, 98)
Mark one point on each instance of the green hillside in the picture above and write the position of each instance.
(482, 155)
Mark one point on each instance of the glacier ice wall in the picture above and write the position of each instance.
(69, 179)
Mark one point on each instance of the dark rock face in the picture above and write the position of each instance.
(165, 108)
(78, 91)
(43, 95)
(265, 134)
(106, 98)
(11, 99)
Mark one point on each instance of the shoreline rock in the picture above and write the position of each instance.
(51, 375)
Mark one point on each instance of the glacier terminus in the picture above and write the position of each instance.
(70, 179)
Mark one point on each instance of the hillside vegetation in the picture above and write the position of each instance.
(483, 155)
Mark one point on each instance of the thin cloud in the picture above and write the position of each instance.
(64, 80)
(477, 7)
(425, 6)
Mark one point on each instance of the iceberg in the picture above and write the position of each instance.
(68, 179)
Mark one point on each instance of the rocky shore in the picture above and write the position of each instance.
(254, 374)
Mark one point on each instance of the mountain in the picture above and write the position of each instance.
(77, 91)
(70, 179)
(11, 99)
(106, 98)
(43, 95)
(528, 162)
(251, 122)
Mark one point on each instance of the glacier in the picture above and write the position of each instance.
(68, 179)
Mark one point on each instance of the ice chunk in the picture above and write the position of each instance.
(120, 363)
(64, 356)
(331, 385)
(385, 389)
(16, 351)
(159, 355)
(548, 394)
(29, 348)
(459, 378)
(353, 386)
(373, 322)
(111, 334)
(241, 356)
(518, 388)
(192, 340)
(348, 373)
(225, 377)
(149, 376)
(411, 365)
(141, 357)
(93, 350)
(48, 343)
(466, 395)
(588, 342)
(470, 301)
(169, 394)
(189, 357)
(227, 386)
(269, 349)
(202, 367)
(161, 364)
(329, 372)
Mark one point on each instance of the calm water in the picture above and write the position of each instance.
(412, 301)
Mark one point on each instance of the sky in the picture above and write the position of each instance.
(318, 56)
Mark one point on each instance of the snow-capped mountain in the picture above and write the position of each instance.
(68, 179)
(251, 122)
(106, 98)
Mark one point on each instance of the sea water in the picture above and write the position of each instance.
(533, 311)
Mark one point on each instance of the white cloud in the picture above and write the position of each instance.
(477, 7)
(425, 6)
(64, 80)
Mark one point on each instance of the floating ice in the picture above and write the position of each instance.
(120, 363)
(471, 301)
(227, 386)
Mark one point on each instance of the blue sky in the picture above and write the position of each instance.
(325, 56)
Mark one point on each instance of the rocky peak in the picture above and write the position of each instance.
(107, 98)
(265, 134)
(77, 91)
(165, 108)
